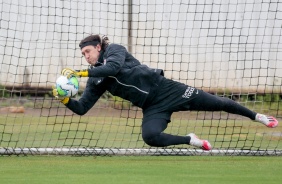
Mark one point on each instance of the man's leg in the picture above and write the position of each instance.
(152, 133)
(208, 102)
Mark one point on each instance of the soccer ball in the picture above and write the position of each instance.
(67, 87)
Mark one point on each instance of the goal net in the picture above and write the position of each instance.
(227, 48)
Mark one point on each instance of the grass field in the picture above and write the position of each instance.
(24, 130)
(141, 169)
(39, 128)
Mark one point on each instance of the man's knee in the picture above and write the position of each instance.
(152, 132)
(152, 139)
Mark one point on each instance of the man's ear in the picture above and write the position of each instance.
(99, 47)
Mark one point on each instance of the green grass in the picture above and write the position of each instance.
(47, 129)
(23, 130)
(141, 169)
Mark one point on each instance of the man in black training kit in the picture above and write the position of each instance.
(115, 70)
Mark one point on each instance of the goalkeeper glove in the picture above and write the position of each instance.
(62, 99)
(70, 72)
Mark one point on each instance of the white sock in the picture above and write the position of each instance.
(262, 118)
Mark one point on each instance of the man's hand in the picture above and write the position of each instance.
(78, 73)
(62, 99)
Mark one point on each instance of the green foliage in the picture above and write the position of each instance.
(244, 98)
(275, 97)
(267, 98)
(3, 92)
(272, 97)
(259, 98)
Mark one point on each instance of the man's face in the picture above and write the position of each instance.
(91, 53)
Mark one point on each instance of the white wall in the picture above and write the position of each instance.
(232, 45)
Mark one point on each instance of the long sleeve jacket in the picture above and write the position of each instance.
(119, 73)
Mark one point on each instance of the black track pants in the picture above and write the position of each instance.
(152, 129)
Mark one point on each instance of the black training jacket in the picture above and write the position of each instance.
(118, 72)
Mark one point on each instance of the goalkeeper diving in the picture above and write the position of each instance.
(114, 69)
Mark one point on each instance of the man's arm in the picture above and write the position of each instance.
(114, 60)
(89, 97)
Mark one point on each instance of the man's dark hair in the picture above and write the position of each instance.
(95, 40)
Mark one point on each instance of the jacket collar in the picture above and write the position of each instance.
(100, 61)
